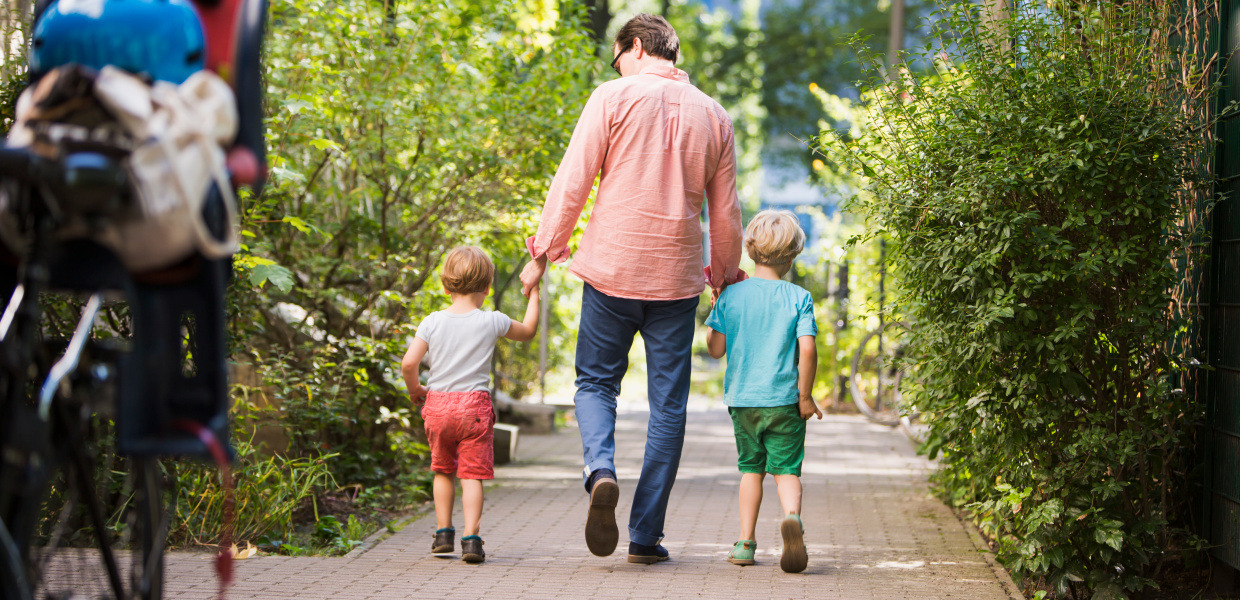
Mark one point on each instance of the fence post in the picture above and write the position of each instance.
(841, 323)
(543, 311)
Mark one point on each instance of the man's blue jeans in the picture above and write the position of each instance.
(604, 337)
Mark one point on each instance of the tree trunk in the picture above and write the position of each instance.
(600, 18)
(14, 26)
(996, 16)
(895, 36)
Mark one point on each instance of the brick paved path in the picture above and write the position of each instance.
(872, 530)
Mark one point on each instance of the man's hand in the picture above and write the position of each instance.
(716, 291)
(417, 395)
(808, 408)
(532, 274)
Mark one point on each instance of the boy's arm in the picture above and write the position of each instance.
(716, 344)
(524, 331)
(807, 368)
(409, 370)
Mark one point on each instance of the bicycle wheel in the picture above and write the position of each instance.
(102, 526)
(81, 523)
(914, 428)
(875, 373)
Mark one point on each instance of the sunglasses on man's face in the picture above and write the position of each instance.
(616, 60)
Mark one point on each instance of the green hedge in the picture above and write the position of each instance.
(1032, 186)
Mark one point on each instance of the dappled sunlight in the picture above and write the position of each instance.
(891, 564)
(839, 469)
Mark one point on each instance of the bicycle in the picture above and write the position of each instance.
(875, 374)
(75, 412)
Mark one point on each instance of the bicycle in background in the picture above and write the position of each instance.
(875, 375)
(878, 368)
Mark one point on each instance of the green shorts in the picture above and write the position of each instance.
(769, 439)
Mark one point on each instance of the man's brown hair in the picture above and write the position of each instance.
(657, 36)
(467, 270)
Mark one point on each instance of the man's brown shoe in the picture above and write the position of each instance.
(601, 532)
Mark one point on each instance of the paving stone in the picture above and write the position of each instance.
(872, 531)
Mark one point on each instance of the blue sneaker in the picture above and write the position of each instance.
(647, 555)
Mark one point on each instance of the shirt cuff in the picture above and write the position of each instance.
(557, 256)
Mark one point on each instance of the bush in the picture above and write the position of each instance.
(12, 63)
(1034, 193)
(342, 402)
(269, 489)
(396, 131)
(10, 88)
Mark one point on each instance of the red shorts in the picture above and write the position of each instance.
(460, 431)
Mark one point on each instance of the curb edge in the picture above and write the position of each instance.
(1005, 578)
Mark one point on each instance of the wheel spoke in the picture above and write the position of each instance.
(11, 565)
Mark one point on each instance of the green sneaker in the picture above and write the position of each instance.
(742, 552)
(794, 558)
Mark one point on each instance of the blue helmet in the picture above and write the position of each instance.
(161, 38)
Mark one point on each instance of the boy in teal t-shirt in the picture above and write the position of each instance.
(766, 328)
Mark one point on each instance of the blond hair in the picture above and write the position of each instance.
(774, 237)
(466, 270)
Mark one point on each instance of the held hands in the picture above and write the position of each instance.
(715, 291)
(532, 274)
(808, 407)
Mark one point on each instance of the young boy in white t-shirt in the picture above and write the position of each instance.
(458, 415)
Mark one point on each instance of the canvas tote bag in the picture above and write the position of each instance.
(176, 135)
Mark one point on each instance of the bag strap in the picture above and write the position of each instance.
(208, 245)
(202, 94)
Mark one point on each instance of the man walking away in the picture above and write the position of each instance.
(663, 149)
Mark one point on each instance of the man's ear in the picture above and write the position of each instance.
(638, 50)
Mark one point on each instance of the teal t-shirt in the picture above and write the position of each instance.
(762, 320)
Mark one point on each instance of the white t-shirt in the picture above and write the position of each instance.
(460, 348)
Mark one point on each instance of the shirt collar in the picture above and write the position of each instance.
(668, 71)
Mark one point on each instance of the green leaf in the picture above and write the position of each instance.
(279, 276)
(296, 106)
(285, 174)
(324, 144)
(1109, 591)
(1111, 537)
(299, 224)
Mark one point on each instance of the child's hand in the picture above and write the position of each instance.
(417, 395)
(809, 408)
